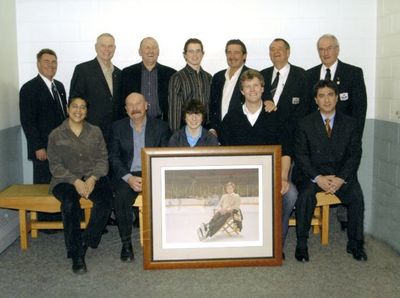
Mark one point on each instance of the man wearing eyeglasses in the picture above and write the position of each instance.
(191, 82)
(352, 95)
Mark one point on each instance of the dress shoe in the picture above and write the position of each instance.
(357, 251)
(343, 225)
(112, 222)
(105, 231)
(79, 265)
(301, 254)
(127, 253)
(283, 256)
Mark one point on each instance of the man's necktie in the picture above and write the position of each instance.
(328, 127)
(274, 85)
(57, 98)
(328, 75)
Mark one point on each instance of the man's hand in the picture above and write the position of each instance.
(285, 186)
(336, 184)
(214, 132)
(41, 154)
(135, 183)
(324, 182)
(81, 188)
(269, 106)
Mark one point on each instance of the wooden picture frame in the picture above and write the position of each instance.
(181, 186)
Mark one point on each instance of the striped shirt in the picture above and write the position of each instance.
(185, 85)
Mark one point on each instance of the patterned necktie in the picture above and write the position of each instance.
(274, 85)
(57, 98)
(328, 75)
(328, 127)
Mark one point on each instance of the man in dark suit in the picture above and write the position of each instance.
(129, 136)
(99, 81)
(327, 155)
(352, 93)
(43, 107)
(149, 78)
(225, 92)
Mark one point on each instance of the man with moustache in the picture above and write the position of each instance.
(99, 81)
(129, 136)
(225, 92)
(149, 78)
(352, 96)
(43, 107)
(191, 82)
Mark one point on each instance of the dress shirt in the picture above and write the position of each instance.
(283, 75)
(185, 85)
(192, 140)
(250, 116)
(332, 68)
(149, 83)
(108, 71)
(229, 86)
(47, 82)
(331, 119)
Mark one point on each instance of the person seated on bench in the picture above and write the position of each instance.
(228, 207)
(193, 133)
(78, 163)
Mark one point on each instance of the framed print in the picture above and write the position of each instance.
(211, 207)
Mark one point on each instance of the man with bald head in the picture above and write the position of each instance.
(129, 136)
(149, 78)
(352, 94)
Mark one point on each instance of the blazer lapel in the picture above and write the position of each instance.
(101, 77)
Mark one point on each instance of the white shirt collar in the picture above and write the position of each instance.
(252, 117)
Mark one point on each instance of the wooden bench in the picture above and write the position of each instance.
(36, 198)
(139, 203)
(320, 220)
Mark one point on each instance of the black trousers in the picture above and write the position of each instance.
(125, 196)
(101, 197)
(350, 194)
(42, 175)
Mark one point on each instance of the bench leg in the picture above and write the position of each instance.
(87, 216)
(317, 214)
(141, 224)
(325, 225)
(34, 232)
(23, 230)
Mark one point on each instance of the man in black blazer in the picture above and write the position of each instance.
(327, 155)
(289, 96)
(352, 93)
(149, 78)
(225, 92)
(129, 136)
(43, 107)
(99, 81)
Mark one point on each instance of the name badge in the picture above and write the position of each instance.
(344, 96)
(295, 100)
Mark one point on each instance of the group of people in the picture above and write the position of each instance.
(81, 145)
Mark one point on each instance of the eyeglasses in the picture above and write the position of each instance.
(328, 49)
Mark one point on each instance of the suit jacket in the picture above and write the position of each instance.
(39, 112)
(121, 147)
(215, 105)
(352, 93)
(88, 81)
(132, 82)
(316, 154)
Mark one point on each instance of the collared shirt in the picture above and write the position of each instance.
(107, 72)
(138, 144)
(72, 157)
(331, 119)
(47, 82)
(332, 68)
(250, 116)
(192, 140)
(283, 75)
(229, 86)
(185, 85)
(149, 87)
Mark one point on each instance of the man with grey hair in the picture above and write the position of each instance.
(352, 95)
(99, 81)
(149, 78)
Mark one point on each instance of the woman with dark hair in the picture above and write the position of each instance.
(193, 133)
(78, 163)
